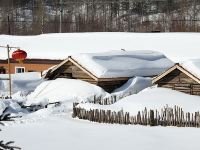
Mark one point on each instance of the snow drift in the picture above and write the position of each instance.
(152, 98)
(133, 86)
(64, 90)
(25, 82)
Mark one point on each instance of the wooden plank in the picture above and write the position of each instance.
(75, 68)
(68, 70)
(196, 85)
(90, 81)
(187, 80)
(114, 79)
(80, 75)
(170, 79)
(111, 82)
(155, 80)
(183, 85)
(166, 86)
(181, 88)
(83, 69)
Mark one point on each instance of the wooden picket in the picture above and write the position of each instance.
(165, 117)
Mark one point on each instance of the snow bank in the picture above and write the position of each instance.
(133, 86)
(192, 66)
(64, 90)
(176, 46)
(10, 106)
(152, 98)
(25, 82)
(124, 63)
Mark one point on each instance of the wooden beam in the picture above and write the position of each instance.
(164, 74)
(83, 68)
(114, 79)
(177, 66)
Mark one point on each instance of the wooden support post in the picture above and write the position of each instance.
(9, 72)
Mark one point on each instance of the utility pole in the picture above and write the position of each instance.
(9, 72)
(61, 11)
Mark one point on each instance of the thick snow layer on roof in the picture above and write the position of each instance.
(176, 46)
(193, 66)
(124, 63)
(152, 98)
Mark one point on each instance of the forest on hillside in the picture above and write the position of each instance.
(31, 17)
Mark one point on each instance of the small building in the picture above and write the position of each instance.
(183, 77)
(29, 65)
(112, 69)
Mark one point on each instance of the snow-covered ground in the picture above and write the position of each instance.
(53, 127)
(151, 98)
(63, 132)
(24, 82)
(176, 46)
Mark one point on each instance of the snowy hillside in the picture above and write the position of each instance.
(176, 46)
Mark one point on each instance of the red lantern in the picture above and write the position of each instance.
(19, 55)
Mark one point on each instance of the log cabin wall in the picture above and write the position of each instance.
(179, 81)
(111, 85)
(71, 71)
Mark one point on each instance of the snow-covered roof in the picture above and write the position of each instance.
(193, 66)
(190, 67)
(115, 64)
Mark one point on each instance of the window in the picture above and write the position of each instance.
(2, 70)
(32, 71)
(19, 69)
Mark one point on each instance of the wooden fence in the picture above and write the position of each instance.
(108, 100)
(165, 117)
(105, 101)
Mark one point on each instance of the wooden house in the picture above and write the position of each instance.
(109, 70)
(179, 78)
(29, 65)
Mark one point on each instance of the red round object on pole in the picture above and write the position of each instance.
(19, 55)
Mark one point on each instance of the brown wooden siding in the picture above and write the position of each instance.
(179, 81)
(71, 71)
(109, 86)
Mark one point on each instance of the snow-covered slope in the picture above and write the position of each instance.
(152, 98)
(124, 63)
(176, 46)
(64, 90)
